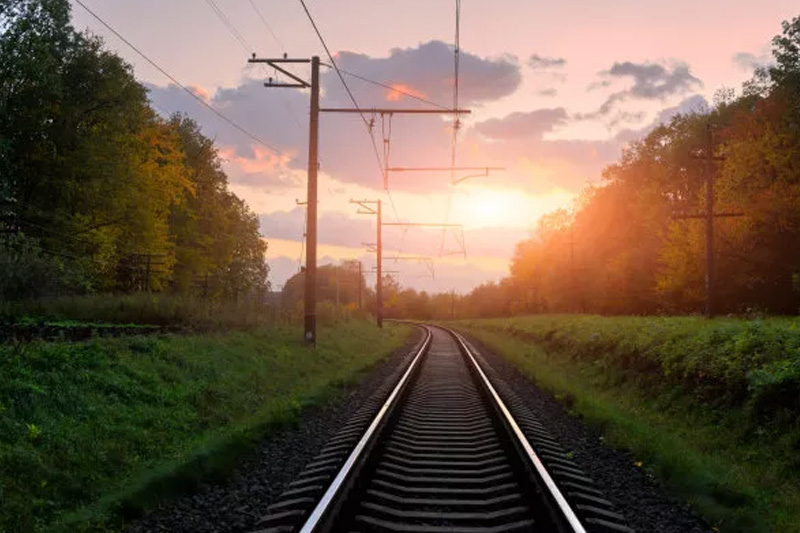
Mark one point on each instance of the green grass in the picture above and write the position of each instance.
(709, 407)
(91, 431)
(141, 308)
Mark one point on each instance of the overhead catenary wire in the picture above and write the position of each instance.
(367, 123)
(172, 78)
(456, 122)
(227, 22)
(234, 31)
(390, 87)
(266, 24)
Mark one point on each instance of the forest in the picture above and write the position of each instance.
(98, 192)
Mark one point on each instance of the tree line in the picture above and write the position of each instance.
(98, 193)
(626, 245)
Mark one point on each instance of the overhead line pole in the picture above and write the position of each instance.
(310, 296)
(366, 209)
(708, 158)
(310, 301)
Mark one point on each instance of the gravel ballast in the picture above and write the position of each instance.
(237, 503)
(636, 495)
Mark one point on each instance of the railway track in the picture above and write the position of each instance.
(444, 447)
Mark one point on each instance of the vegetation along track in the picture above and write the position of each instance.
(448, 451)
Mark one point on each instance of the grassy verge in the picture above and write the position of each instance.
(91, 430)
(709, 407)
(141, 308)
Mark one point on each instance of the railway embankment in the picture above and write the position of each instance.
(708, 408)
(91, 429)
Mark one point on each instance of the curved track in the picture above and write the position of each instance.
(443, 455)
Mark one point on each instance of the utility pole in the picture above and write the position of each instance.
(360, 277)
(452, 304)
(310, 307)
(379, 274)
(709, 175)
(310, 296)
(708, 158)
(365, 209)
(336, 267)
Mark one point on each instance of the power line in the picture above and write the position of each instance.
(456, 119)
(227, 22)
(333, 62)
(391, 88)
(179, 84)
(234, 31)
(266, 24)
(346, 87)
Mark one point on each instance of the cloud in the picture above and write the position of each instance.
(428, 68)
(531, 124)
(540, 62)
(651, 81)
(550, 91)
(332, 227)
(339, 229)
(694, 104)
(751, 62)
(279, 116)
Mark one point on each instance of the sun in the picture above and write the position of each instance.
(480, 206)
(489, 208)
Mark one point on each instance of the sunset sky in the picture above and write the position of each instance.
(556, 89)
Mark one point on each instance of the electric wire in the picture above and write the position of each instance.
(344, 83)
(391, 88)
(234, 31)
(172, 78)
(266, 24)
(231, 28)
(456, 123)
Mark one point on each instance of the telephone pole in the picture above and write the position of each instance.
(708, 158)
(360, 277)
(310, 296)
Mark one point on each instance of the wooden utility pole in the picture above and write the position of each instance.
(379, 265)
(310, 307)
(360, 277)
(708, 158)
(310, 296)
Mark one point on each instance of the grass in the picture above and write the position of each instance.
(92, 431)
(159, 309)
(709, 407)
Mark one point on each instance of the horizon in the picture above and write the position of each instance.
(553, 116)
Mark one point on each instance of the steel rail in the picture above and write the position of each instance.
(320, 511)
(337, 491)
(555, 492)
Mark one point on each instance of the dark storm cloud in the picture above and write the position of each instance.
(516, 125)
(540, 62)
